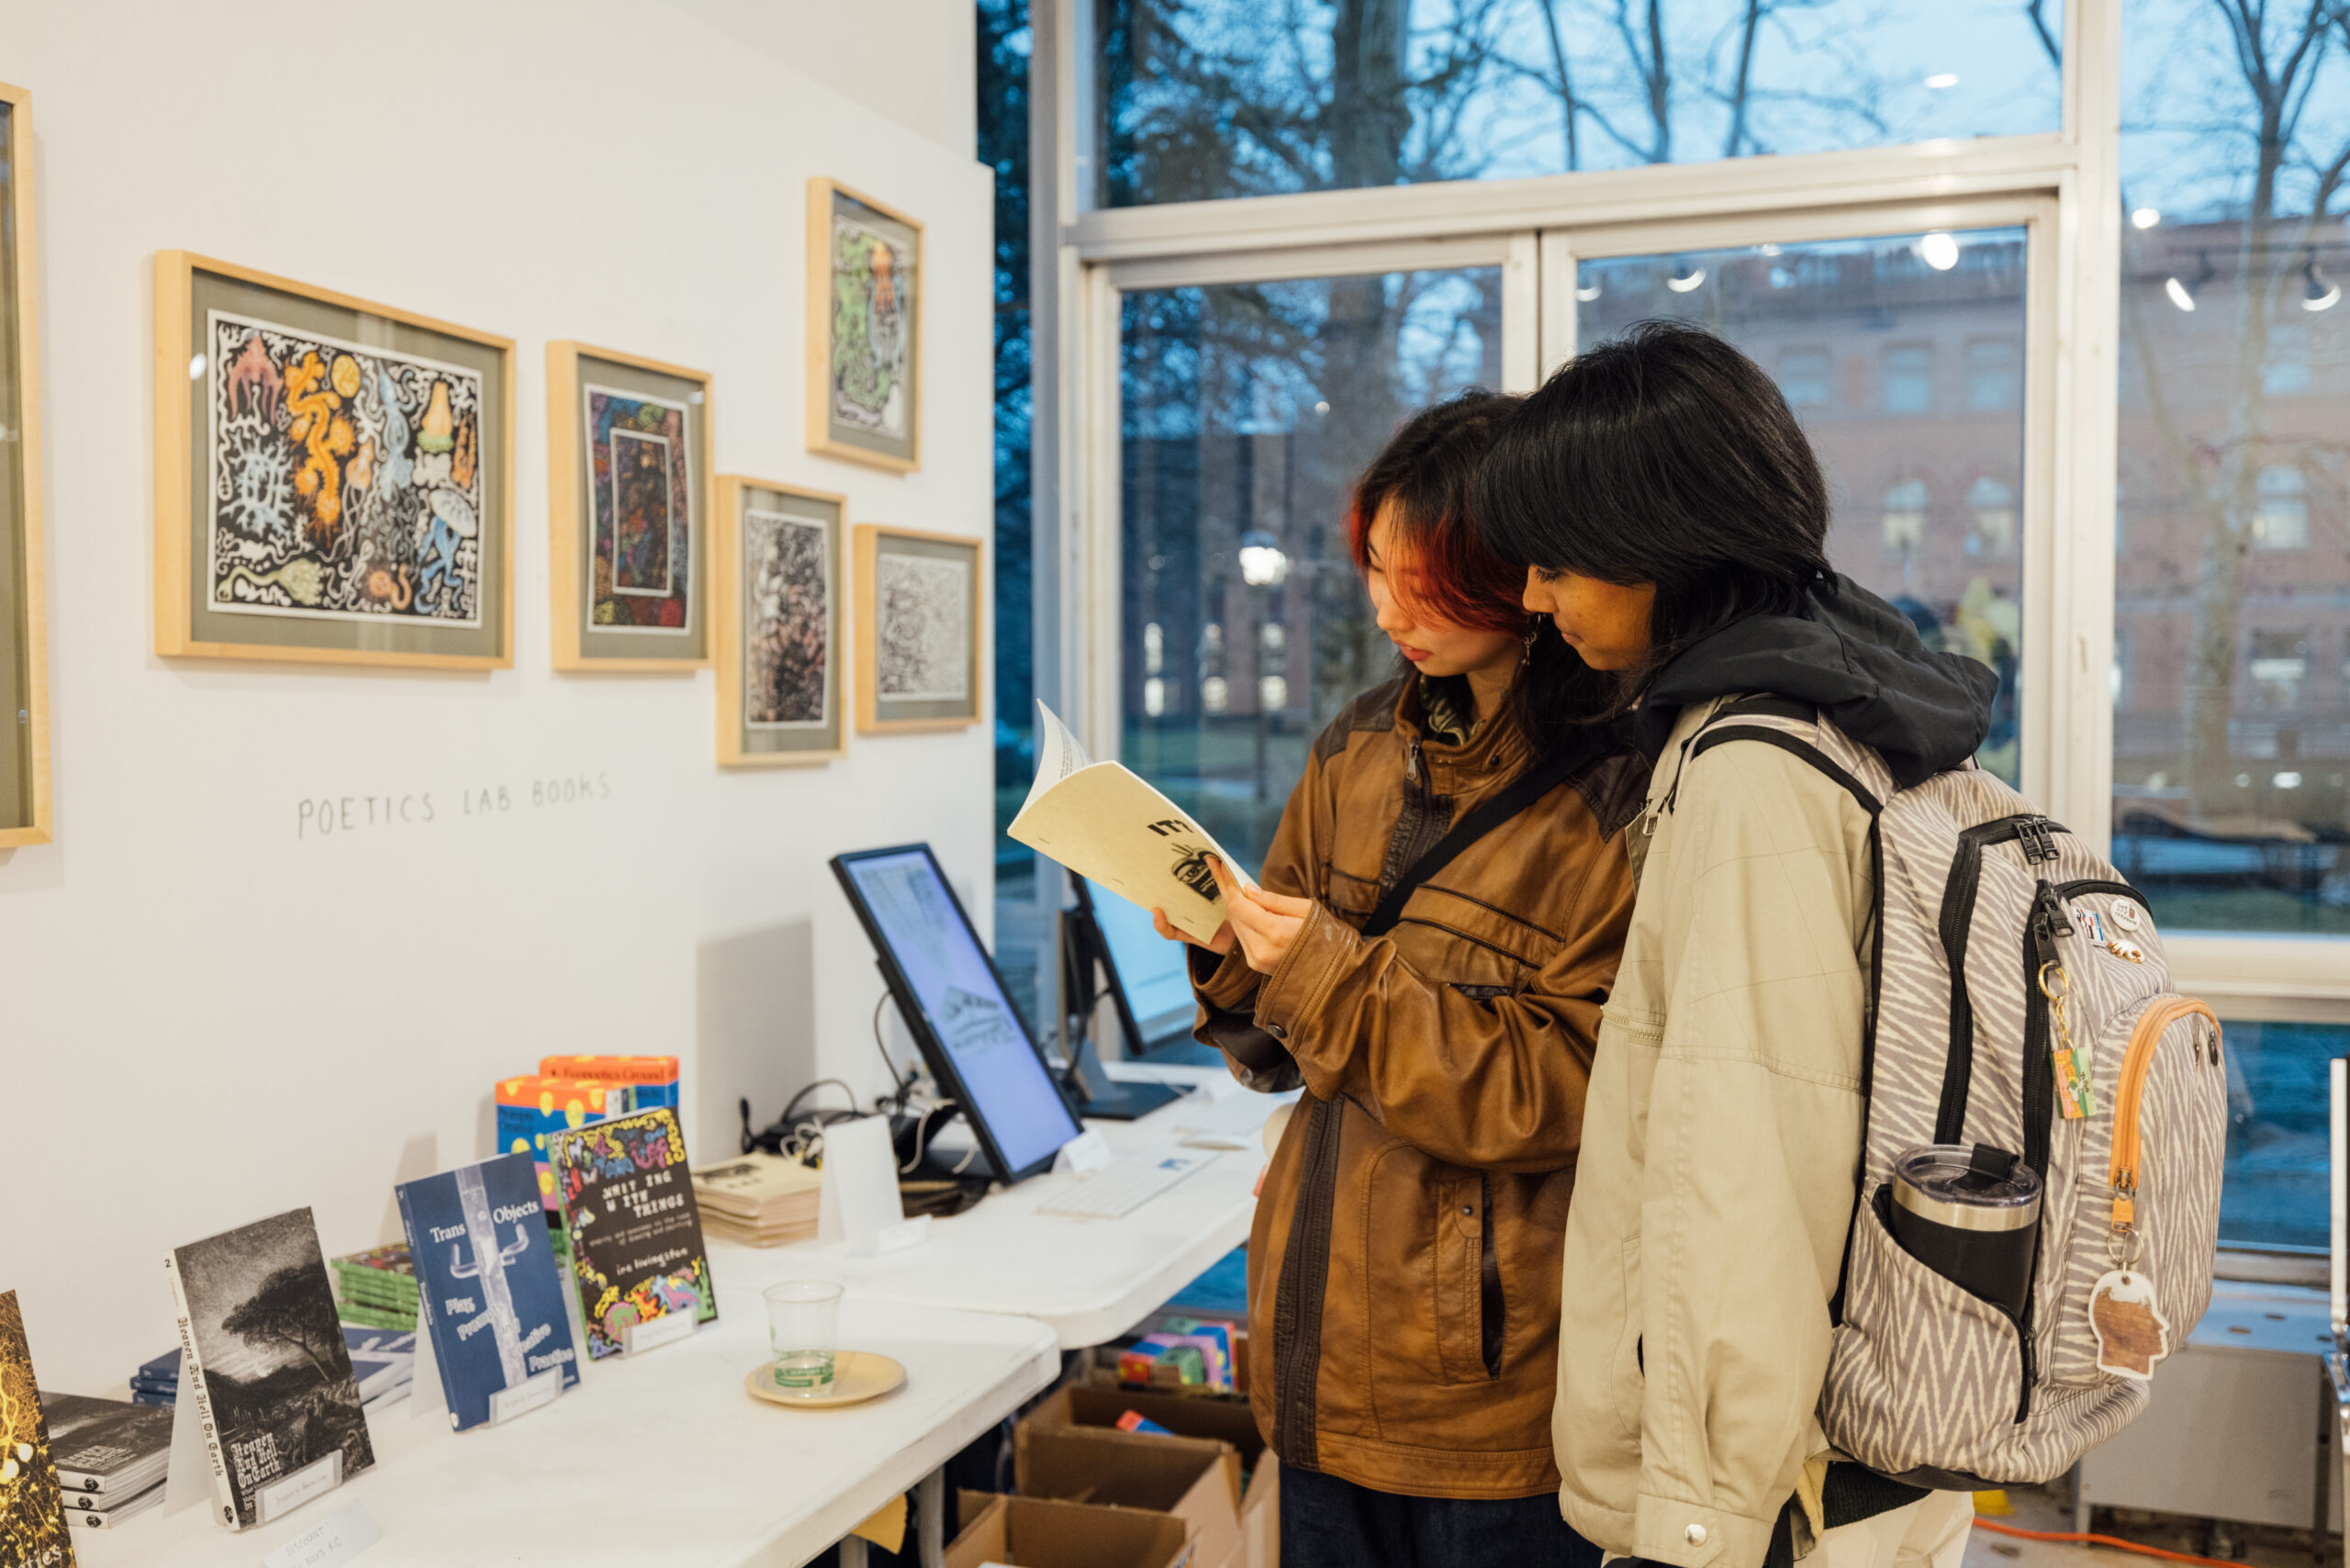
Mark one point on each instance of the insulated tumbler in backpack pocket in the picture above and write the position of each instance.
(1971, 1214)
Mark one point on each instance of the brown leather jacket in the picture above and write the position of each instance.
(1404, 1265)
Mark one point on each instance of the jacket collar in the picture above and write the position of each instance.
(1426, 714)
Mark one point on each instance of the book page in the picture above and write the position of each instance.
(1102, 821)
(1058, 755)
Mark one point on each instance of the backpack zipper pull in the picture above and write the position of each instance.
(2038, 845)
(2049, 919)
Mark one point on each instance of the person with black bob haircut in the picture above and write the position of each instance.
(1672, 523)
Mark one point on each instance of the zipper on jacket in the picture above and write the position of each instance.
(1489, 1307)
(2122, 1174)
(1305, 1276)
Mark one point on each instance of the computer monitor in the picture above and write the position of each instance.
(953, 1000)
(1149, 975)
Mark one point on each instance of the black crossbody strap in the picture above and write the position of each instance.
(1521, 793)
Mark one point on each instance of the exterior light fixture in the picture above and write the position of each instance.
(2145, 217)
(1686, 280)
(1588, 292)
(1262, 565)
(1939, 251)
(2183, 294)
(2319, 292)
(1940, 80)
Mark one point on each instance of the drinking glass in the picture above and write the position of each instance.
(803, 1329)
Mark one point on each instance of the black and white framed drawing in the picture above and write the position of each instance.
(917, 629)
(779, 596)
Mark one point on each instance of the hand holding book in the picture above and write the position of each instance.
(1264, 924)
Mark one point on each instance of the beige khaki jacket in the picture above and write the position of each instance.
(1722, 1145)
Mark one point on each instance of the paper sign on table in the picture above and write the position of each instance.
(340, 1537)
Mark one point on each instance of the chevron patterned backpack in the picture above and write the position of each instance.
(2023, 1019)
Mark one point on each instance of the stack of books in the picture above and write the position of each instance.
(377, 1289)
(110, 1456)
(158, 1382)
(383, 1361)
(761, 1200)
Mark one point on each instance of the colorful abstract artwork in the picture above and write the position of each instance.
(922, 632)
(640, 528)
(345, 480)
(788, 624)
(873, 284)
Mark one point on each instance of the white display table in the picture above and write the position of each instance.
(1089, 1280)
(661, 1461)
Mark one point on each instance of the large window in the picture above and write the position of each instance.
(1902, 355)
(2126, 489)
(1201, 99)
(2232, 740)
(1247, 412)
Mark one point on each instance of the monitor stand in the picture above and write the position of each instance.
(1085, 955)
(1099, 1094)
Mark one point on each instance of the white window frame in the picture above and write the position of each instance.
(2064, 186)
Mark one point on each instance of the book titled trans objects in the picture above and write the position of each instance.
(267, 1367)
(485, 1266)
(636, 1246)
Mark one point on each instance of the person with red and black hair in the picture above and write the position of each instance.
(1439, 1012)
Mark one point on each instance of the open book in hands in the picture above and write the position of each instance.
(1102, 821)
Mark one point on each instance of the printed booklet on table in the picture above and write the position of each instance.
(492, 1295)
(1102, 821)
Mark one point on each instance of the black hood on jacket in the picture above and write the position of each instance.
(1855, 658)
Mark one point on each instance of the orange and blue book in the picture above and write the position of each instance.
(654, 1079)
(532, 1106)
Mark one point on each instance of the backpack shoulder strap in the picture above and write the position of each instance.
(1544, 776)
(1722, 728)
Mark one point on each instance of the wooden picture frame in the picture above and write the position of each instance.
(595, 396)
(25, 804)
(765, 553)
(878, 421)
(400, 555)
(895, 650)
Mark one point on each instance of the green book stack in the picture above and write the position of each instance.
(377, 1289)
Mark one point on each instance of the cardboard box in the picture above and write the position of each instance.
(1038, 1532)
(1256, 1512)
(1196, 1480)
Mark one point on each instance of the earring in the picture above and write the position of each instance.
(1525, 643)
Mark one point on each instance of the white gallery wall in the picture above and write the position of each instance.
(210, 1009)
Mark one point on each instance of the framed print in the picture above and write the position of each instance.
(24, 631)
(917, 629)
(778, 593)
(334, 478)
(865, 288)
(628, 489)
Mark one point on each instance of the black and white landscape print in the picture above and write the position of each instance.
(277, 1370)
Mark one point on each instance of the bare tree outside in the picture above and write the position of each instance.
(2236, 144)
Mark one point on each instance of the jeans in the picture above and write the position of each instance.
(1330, 1523)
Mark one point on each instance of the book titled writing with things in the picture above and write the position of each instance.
(485, 1265)
(636, 1243)
(1102, 821)
(32, 1518)
(266, 1364)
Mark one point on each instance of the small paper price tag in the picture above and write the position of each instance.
(340, 1537)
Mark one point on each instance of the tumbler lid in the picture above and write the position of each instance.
(1967, 1187)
